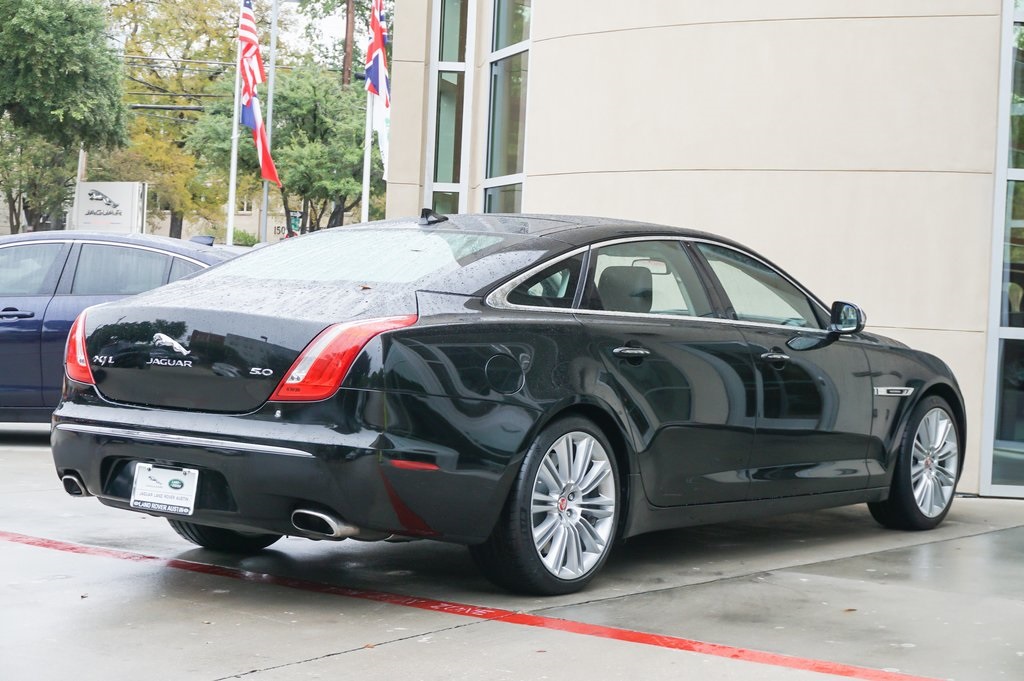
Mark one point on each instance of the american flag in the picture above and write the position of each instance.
(378, 82)
(250, 67)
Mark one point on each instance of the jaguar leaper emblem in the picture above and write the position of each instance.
(162, 340)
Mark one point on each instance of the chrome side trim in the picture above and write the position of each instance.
(497, 297)
(180, 440)
(894, 392)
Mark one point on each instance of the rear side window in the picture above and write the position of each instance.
(117, 270)
(757, 292)
(25, 269)
(554, 286)
(645, 277)
(182, 268)
(362, 256)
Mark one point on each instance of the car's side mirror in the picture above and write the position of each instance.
(846, 318)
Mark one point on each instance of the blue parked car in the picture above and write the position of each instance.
(47, 278)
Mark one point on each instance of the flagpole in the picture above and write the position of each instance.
(233, 175)
(265, 205)
(367, 146)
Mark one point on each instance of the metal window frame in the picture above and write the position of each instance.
(996, 333)
(492, 58)
(436, 66)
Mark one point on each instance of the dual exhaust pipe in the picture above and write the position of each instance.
(308, 521)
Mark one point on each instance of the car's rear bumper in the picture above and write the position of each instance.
(256, 469)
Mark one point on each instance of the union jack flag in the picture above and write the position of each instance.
(250, 67)
(378, 82)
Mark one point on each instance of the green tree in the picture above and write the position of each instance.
(317, 143)
(59, 77)
(36, 175)
(177, 54)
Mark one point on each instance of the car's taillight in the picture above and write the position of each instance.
(320, 369)
(76, 357)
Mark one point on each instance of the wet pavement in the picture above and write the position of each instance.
(88, 592)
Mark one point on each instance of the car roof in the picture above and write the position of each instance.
(201, 252)
(571, 229)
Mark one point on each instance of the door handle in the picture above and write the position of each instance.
(775, 357)
(631, 352)
(15, 313)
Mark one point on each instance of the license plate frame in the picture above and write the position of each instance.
(164, 489)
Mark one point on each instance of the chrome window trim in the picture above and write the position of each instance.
(179, 440)
(497, 298)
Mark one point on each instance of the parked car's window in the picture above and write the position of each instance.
(653, 277)
(182, 268)
(757, 292)
(116, 270)
(335, 255)
(554, 286)
(23, 269)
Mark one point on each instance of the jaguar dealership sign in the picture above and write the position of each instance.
(110, 207)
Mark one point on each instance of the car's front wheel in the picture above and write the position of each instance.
(558, 524)
(220, 539)
(927, 469)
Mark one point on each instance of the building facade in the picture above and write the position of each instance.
(869, 146)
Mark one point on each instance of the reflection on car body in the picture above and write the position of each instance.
(534, 387)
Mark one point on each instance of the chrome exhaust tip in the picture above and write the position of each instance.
(322, 524)
(74, 486)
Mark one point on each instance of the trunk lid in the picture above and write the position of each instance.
(222, 348)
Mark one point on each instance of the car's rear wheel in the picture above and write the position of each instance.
(559, 521)
(927, 470)
(220, 539)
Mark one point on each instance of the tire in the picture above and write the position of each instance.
(927, 470)
(220, 539)
(558, 524)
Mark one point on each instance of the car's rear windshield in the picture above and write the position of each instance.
(346, 254)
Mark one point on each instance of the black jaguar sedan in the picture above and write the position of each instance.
(534, 387)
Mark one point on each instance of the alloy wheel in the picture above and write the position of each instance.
(573, 505)
(933, 467)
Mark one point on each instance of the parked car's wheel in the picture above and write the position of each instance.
(558, 524)
(926, 472)
(220, 539)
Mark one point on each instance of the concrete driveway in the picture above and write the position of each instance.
(87, 592)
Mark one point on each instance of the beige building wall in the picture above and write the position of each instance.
(851, 141)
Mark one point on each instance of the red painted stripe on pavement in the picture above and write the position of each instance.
(483, 613)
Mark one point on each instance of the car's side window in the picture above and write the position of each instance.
(554, 286)
(117, 270)
(646, 277)
(25, 269)
(757, 292)
(182, 268)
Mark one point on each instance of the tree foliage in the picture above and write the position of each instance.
(59, 77)
(36, 175)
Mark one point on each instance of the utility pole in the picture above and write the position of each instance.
(350, 32)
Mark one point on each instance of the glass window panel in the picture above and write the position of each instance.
(508, 116)
(507, 199)
(116, 270)
(1013, 257)
(655, 277)
(24, 269)
(451, 91)
(1016, 159)
(758, 293)
(351, 255)
(1008, 456)
(453, 31)
(511, 23)
(446, 203)
(555, 286)
(182, 268)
